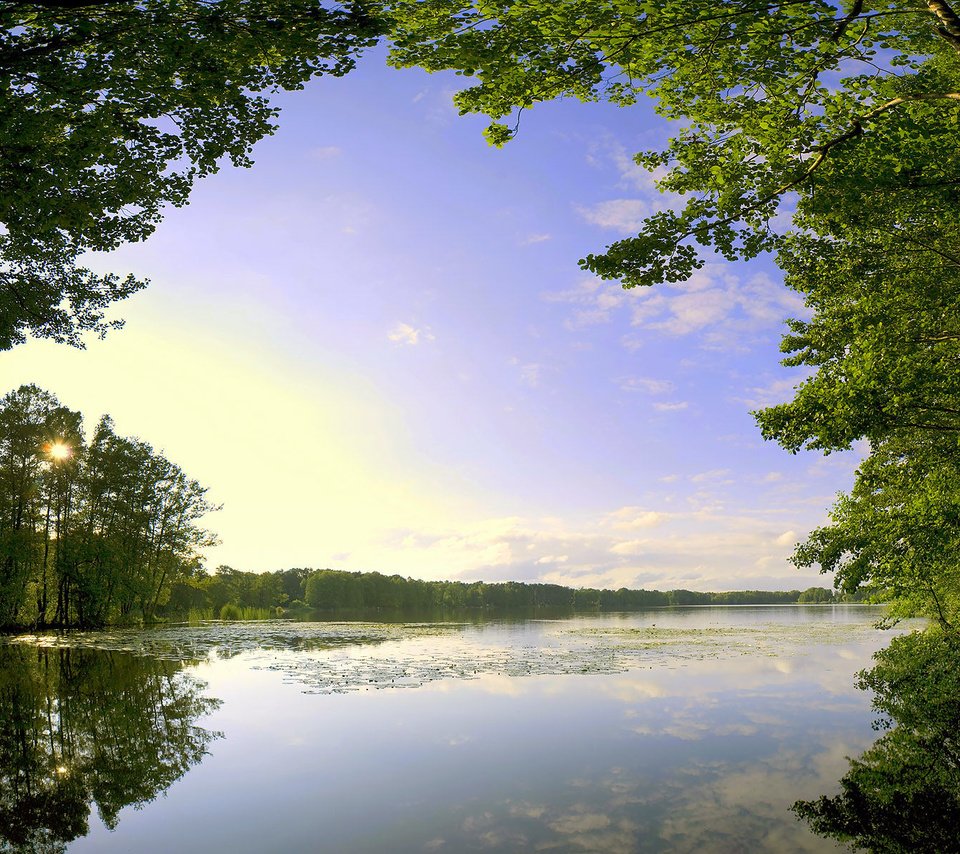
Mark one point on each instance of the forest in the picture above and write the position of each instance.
(229, 593)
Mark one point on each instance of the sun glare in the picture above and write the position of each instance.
(59, 450)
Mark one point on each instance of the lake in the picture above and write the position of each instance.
(670, 730)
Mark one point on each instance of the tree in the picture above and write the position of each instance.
(802, 101)
(34, 491)
(815, 596)
(844, 116)
(88, 534)
(111, 109)
(898, 531)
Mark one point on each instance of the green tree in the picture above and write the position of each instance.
(111, 109)
(815, 596)
(586, 599)
(88, 534)
(898, 531)
(135, 534)
(35, 491)
(814, 103)
(293, 583)
(324, 589)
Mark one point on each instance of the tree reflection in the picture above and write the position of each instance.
(903, 794)
(82, 727)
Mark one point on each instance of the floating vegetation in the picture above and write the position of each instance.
(186, 642)
(338, 657)
(761, 639)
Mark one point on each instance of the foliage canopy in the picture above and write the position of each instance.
(94, 534)
(806, 105)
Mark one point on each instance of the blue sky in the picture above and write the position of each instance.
(377, 350)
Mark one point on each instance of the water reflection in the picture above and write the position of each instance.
(681, 764)
(903, 794)
(679, 731)
(80, 728)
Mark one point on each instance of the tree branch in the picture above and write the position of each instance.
(949, 22)
(856, 129)
(837, 34)
(944, 623)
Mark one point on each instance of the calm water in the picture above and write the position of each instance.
(671, 730)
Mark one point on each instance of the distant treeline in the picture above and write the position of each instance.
(230, 592)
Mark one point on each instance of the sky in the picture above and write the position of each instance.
(377, 350)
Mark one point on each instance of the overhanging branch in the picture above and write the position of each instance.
(856, 129)
(949, 26)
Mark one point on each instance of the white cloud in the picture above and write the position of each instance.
(436, 105)
(627, 518)
(725, 309)
(530, 374)
(646, 385)
(636, 177)
(639, 178)
(531, 239)
(699, 549)
(675, 406)
(684, 313)
(787, 538)
(595, 300)
(590, 317)
(629, 547)
(326, 152)
(552, 559)
(608, 299)
(774, 392)
(627, 215)
(583, 293)
(404, 333)
(711, 475)
(622, 215)
(635, 517)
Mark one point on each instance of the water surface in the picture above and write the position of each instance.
(686, 729)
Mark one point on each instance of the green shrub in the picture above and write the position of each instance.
(231, 612)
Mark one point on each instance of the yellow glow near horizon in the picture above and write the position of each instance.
(59, 450)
